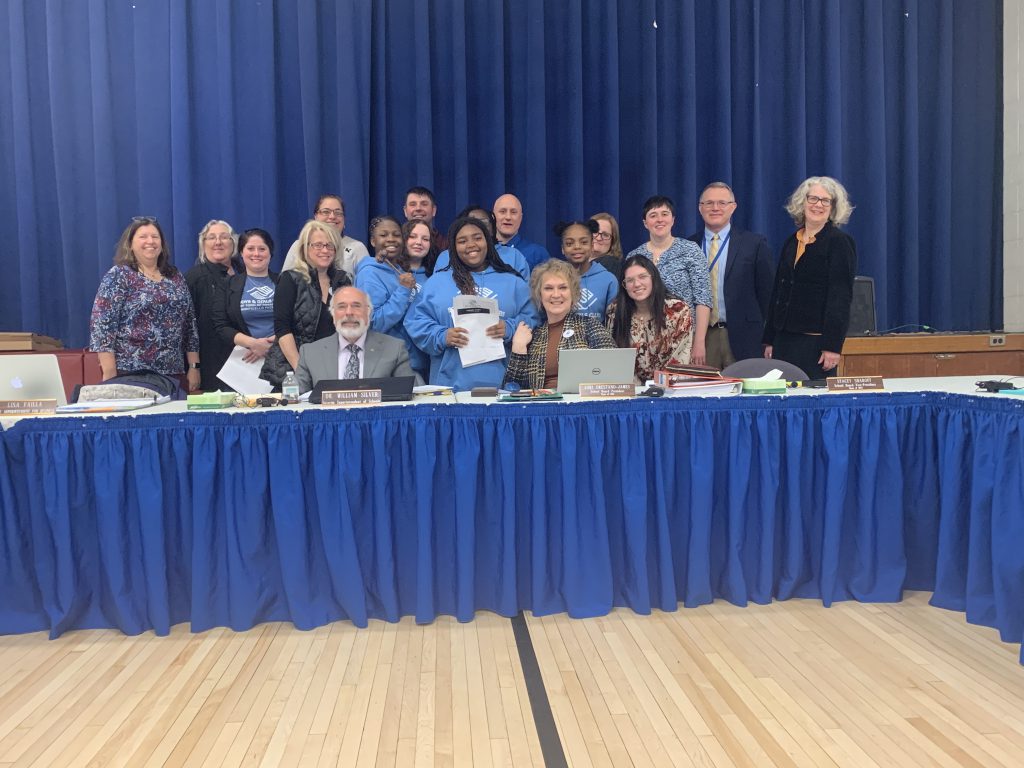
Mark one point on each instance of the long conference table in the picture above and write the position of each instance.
(453, 505)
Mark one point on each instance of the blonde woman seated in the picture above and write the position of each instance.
(660, 328)
(555, 290)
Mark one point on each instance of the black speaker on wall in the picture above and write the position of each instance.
(862, 309)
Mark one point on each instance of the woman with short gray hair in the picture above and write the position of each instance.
(809, 310)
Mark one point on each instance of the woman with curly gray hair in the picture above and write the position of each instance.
(218, 261)
(809, 310)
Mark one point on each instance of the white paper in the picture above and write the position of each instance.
(773, 375)
(103, 406)
(242, 376)
(476, 314)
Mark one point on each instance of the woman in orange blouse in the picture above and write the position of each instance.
(642, 317)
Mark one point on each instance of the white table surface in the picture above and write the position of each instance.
(950, 384)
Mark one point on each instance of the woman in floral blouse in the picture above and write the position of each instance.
(142, 318)
(642, 317)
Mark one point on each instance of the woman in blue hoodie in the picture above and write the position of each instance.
(475, 270)
(393, 279)
(598, 286)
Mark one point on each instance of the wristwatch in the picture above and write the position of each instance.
(194, 366)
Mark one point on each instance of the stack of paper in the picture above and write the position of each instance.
(475, 315)
(707, 386)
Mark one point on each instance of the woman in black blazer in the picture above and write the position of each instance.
(809, 310)
(244, 317)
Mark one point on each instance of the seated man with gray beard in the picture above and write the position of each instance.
(354, 352)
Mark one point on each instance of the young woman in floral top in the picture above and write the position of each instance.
(660, 328)
(142, 318)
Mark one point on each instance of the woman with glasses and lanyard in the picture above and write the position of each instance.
(302, 300)
(142, 318)
(206, 281)
(330, 209)
(809, 310)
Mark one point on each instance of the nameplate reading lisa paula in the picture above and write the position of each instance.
(351, 397)
(607, 390)
(854, 383)
(28, 407)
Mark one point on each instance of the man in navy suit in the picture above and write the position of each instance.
(742, 271)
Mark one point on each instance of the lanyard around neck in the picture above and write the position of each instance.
(721, 248)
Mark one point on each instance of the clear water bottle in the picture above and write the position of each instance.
(290, 388)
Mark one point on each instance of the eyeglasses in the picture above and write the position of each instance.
(716, 203)
(645, 278)
(322, 247)
(217, 238)
(825, 202)
(335, 212)
(144, 220)
(602, 236)
(355, 306)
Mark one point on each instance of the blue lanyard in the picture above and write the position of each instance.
(721, 248)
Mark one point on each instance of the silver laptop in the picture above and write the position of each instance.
(31, 377)
(594, 366)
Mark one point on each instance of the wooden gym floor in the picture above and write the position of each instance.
(791, 683)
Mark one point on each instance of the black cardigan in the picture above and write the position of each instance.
(227, 315)
(814, 296)
(206, 281)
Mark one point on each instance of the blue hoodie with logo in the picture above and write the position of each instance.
(598, 289)
(428, 321)
(391, 301)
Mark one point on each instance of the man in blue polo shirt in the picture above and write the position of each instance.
(509, 214)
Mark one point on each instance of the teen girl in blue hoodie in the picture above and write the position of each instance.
(475, 270)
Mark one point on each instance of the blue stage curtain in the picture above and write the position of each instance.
(140, 523)
(246, 110)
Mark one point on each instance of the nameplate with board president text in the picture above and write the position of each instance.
(854, 383)
(351, 397)
(28, 407)
(607, 390)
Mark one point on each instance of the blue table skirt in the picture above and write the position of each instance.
(217, 519)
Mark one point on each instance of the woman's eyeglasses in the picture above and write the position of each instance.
(322, 247)
(602, 236)
(825, 202)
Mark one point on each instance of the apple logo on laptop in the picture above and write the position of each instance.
(17, 383)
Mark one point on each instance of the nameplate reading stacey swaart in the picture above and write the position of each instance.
(351, 397)
(854, 383)
(28, 407)
(607, 390)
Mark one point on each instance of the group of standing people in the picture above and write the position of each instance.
(712, 298)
